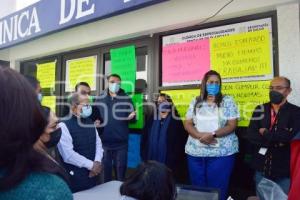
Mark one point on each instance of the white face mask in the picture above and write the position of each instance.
(40, 97)
(114, 87)
(86, 111)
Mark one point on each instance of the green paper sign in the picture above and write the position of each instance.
(137, 100)
(123, 63)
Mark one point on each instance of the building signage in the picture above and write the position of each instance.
(48, 16)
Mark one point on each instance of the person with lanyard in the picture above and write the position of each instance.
(271, 129)
(164, 138)
(80, 146)
(212, 144)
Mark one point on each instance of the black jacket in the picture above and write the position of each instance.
(276, 162)
(176, 140)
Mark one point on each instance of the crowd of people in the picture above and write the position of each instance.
(42, 157)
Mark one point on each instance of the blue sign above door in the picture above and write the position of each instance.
(48, 16)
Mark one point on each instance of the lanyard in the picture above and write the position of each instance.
(274, 118)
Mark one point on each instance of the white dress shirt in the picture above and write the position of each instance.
(66, 150)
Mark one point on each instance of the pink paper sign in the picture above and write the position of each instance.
(185, 62)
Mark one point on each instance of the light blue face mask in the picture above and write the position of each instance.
(86, 111)
(40, 97)
(114, 87)
(212, 89)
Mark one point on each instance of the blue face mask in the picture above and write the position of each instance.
(114, 87)
(86, 111)
(213, 89)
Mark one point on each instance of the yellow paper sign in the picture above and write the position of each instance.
(247, 96)
(81, 70)
(182, 99)
(46, 74)
(49, 101)
(242, 55)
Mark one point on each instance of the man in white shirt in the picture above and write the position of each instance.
(80, 146)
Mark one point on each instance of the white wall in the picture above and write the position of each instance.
(20, 4)
(170, 15)
(7, 7)
(289, 47)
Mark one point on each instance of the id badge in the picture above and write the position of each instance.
(263, 151)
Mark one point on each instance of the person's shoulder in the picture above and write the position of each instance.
(227, 99)
(50, 185)
(293, 106)
(122, 93)
(102, 95)
(40, 185)
(194, 100)
(293, 109)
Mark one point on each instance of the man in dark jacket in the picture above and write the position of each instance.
(116, 109)
(295, 168)
(271, 129)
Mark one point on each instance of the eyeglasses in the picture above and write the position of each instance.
(277, 87)
(85, 93)
(83, 104)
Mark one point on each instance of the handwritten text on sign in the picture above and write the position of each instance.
(82, 69)
(46, 74)
(241, 55)
(247, 96)
(185, 62)
(123, 63)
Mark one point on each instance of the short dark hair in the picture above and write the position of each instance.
(169, 99)
(114, 75)
(74, 99)
(17, 155)
(33, 81)
(151, 181)
(81, 84)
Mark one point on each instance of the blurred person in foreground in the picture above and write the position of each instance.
(151, 181)
(25, 173)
